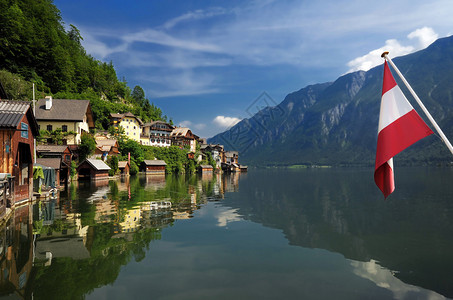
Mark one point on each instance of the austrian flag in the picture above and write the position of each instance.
(399, 127)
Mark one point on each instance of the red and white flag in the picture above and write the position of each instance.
(399, 127)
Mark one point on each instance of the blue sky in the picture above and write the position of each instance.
(205, 62)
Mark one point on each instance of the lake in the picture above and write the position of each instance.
(265, 234)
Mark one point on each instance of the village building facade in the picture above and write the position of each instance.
(183, 137)
(157, 134)
(105, 148)
(129, 123)
(68, 115)
(18, 128)
(61, 152)
(217, 153)
(56, 164)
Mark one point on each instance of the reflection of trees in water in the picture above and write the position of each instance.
(16, 252)
(109, 247)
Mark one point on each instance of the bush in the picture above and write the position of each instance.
(134, 168)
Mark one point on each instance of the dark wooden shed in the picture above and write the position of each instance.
(93, 169)
(153, 166)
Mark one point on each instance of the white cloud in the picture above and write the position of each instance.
(228, 216)
(385, 278)
(190, 124)
(185, 123)
(225, 122)
(426, 36)
(199, 126)
(194, 15)
(94, 46)
(191, 47)
(422, 37)
(154, 36)
(171, 83)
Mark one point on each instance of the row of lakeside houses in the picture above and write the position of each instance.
(20, 125)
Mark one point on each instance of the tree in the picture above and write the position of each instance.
(73, 170)
(133, 168)
(132, 147)
(87, 146)
(112, 161)
(138, 95)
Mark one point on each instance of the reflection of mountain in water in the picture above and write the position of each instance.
(342, 211)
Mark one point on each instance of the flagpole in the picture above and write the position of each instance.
(420, 103)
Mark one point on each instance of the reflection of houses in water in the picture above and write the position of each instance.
(182, 215)
(156, 218)
(231, 182)
(193, 195)
(155, 181)
(58, 234)
(99, 194)
(210, 187)
(131, 221)
(16, 252)
(105, 209)
(123, 183)
(218, 187)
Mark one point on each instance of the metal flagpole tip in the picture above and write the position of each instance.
(384, 54)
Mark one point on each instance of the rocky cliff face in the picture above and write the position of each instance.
(336, 123)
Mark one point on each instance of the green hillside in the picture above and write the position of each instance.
(36, 48)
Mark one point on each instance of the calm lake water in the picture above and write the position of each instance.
(267, 234)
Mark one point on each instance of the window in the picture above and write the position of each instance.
(24, 130)
(39, 127)
(49, 127)
(64, 128)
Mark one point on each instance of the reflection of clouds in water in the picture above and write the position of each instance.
(227, 216)
(385, 279)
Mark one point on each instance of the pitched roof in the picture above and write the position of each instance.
(211, 146)
(122, 164)
(54, 163)
(155, 162)
(161, 122)
(97, 164)
(51, 148)
(64, 110)
(128, 114)
(116, 115)
(107, 142)
(12, 111)
(231, 153)
(180, 131)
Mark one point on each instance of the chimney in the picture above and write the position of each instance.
(48, 102)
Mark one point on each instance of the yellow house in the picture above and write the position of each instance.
(130, 124)
(131, 221)
(68, 115)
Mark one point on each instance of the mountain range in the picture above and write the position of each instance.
(335, 123)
